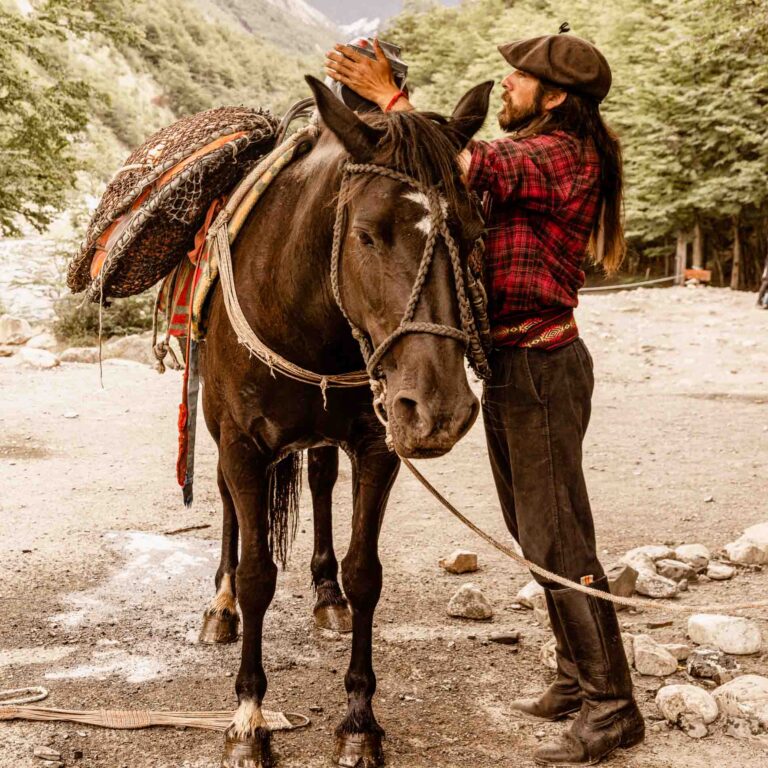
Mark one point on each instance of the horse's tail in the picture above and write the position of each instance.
(284, 494)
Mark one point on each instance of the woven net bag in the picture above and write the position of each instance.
(154, 211)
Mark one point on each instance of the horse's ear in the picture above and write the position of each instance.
(358, 138)
(470, 113)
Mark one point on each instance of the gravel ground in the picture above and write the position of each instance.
(102, 607)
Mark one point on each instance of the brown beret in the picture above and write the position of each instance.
(565, 60)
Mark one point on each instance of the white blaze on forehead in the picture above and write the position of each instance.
(425, 225)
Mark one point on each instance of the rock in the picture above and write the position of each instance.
(628, 641)
(548, 655)
(712, 664)
(746, 697)
(746, 552)
(687, 705)
(695, 555)
(470, 603)
(641, 562)
(36, 358)
(80, 355)
(757, 533)
(651, 658)
(679, 650)
(46, 753)
(137, 348)
(70, 414)
(528, 594)
(43, 341)
(505, 638)
(541, 614)
(731, 634)
(739, 728)
(653, 551)
(622, 578)
(675, 570)
(14, 330)
(720, 571)
(460, 561)
(653, 585)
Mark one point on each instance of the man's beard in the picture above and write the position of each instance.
(513, 118)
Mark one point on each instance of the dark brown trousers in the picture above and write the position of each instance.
(536, 409)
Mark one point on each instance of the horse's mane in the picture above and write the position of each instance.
(417, 144)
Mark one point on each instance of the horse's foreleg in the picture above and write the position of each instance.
(358, 737)
(220, 621)
(247, 743)
(331, 610)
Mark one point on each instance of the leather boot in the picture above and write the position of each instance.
(564, 695)
(609, 717)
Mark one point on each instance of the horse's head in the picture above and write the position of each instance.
(387, 229)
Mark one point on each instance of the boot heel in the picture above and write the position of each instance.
(633, 738)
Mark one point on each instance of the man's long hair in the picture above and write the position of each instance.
(580, 116)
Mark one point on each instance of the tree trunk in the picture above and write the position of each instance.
(698, 246)
(736, 270)
(681, 256)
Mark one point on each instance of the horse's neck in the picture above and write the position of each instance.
(283, 278)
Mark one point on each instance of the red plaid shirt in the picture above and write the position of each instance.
(541, 200)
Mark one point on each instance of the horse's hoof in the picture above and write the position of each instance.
(219, 628)
(252, 752)
(359, 750)
(337, 618)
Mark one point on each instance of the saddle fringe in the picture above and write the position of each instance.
(284, 495)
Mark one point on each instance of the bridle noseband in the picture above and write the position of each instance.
(467, 334)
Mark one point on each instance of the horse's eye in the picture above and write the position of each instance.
(364, 238)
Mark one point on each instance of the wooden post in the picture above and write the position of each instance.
(736, 270)
(681, 257)
(698, 246)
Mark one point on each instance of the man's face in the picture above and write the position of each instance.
(521, 100)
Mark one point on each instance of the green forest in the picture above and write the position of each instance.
(82, 81)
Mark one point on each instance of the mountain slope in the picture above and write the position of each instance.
(349, 11)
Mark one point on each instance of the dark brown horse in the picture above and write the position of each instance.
(262, 421)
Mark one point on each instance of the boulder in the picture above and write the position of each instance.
(548, 655)
(470, 603)
(695, 555)
(41, 359)
(622, 579)
(43, 341)
(459, 561)
(757, 533)
(14, 330)
(80, 355)
(686, 701)
(527, 595)
(732, 634)
(651, 658)
(746, 552)
(137, 347)
(744, 697)
(679, 650)
(675, 570)
(712, 664)
(720, 571)
(653, 585)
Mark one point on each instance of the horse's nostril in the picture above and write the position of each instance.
(408, 410)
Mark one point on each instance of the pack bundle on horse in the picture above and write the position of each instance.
(355, 258)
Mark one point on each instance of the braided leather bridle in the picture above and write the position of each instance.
(468, 334)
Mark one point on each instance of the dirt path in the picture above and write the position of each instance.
(103, 608)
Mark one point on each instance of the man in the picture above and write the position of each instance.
(552, 189)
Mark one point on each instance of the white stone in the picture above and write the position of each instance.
(654, 551)
(628, 641)
(43, 341)
(14, 330)
(641, 562)
(746, 552)
(757, 533)
(679, 650)
(651, 658)
(653, 585)
(675, 570)
(732, 634)
(36, 358)
(528, 594)
(745, 696)
(80, 355)
(720, 571)
(460, 561)
(470, 603)
(695, 555)
(678, 701)
(548, 655)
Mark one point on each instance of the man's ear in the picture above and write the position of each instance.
(470, 113)
(357, 137)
